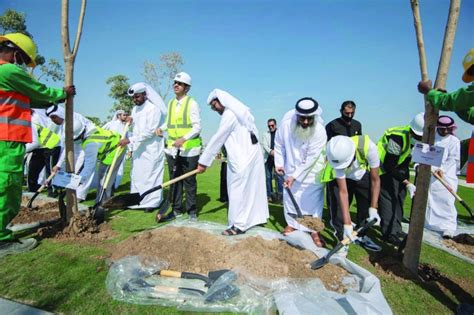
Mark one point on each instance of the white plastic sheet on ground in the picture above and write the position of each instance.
(289, 296)
(435, 239)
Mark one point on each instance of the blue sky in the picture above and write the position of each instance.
(267, 53)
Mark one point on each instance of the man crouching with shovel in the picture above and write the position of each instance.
(299, 154)
(248, 205)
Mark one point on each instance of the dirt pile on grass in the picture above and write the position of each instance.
(311, 223)
(82, 227)
(463, 243)
(42, 210)
(194, 250)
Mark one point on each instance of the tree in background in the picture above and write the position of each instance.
(95, 120)
(12, 21)
(161, 77)
(118, 91)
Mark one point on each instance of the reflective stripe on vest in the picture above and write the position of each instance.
(110, 142)
(179, 124)
(404, 133)
(47, 138)
(361, 153)
(470, 160)
(15, 117)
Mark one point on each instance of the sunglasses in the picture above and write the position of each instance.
(179, 83)
(271, 126)
(303, 118)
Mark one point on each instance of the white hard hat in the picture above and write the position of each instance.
(340, 152)
(78, 129)
(183, 77)
(417, 124)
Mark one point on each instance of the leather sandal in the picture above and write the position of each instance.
(318, 240)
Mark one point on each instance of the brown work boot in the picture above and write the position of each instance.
(288, 230)
(317, 239)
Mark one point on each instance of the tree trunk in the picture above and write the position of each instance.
(417, 219)
(69, 58)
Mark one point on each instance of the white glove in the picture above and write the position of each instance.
(374, 215)
(348, 229)
(411, 190)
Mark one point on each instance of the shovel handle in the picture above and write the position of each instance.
(168, 183)
(46, 183)
(114, 161)
(451, 190)
(293, 200)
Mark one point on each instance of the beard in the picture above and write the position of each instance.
(304, 134)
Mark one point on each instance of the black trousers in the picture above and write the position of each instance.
(360, 190)
(392, 196)
(189, 185)
(223, 187)
(41, 158)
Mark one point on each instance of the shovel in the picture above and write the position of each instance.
(458, 198)
(324, 260)
(220, 293)
(42, 187)
(212, 276)
(111, 169)
(298, 215)
(127, 200)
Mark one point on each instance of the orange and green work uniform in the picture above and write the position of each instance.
(462, 103)
(17, 90)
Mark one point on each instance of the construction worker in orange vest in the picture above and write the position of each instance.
(17, 91)
(460, 101)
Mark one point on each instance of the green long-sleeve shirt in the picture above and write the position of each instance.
(461, 102)
(15, 79)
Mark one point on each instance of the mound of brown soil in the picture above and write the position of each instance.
(194, 250)
(41, 211)
(311, 223)
(465, 249)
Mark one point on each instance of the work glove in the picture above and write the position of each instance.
(374, 215)
(348, 229)
(411, 190)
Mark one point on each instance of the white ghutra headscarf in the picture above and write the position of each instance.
(151, 95)
(241, 111)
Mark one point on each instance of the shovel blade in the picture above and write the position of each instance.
(221, 293)
(122, 201)
(214, 275)
(30, 203)
(319, 263)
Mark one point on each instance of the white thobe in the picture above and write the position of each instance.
(248, 205)
(304, 161)
(441, 214)
(118, 127)
(148, 159)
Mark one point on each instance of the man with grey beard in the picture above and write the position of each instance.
(299, 155)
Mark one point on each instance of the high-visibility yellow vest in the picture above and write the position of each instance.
(47, 138)
(362, 150)
(110, 141)
(404, 133)
(179, 123)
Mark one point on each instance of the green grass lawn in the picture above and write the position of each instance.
(70, 278)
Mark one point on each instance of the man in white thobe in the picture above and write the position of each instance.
(441, 214)
(148, 158)
(299, 154)
(117, 124)
(248, 205)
